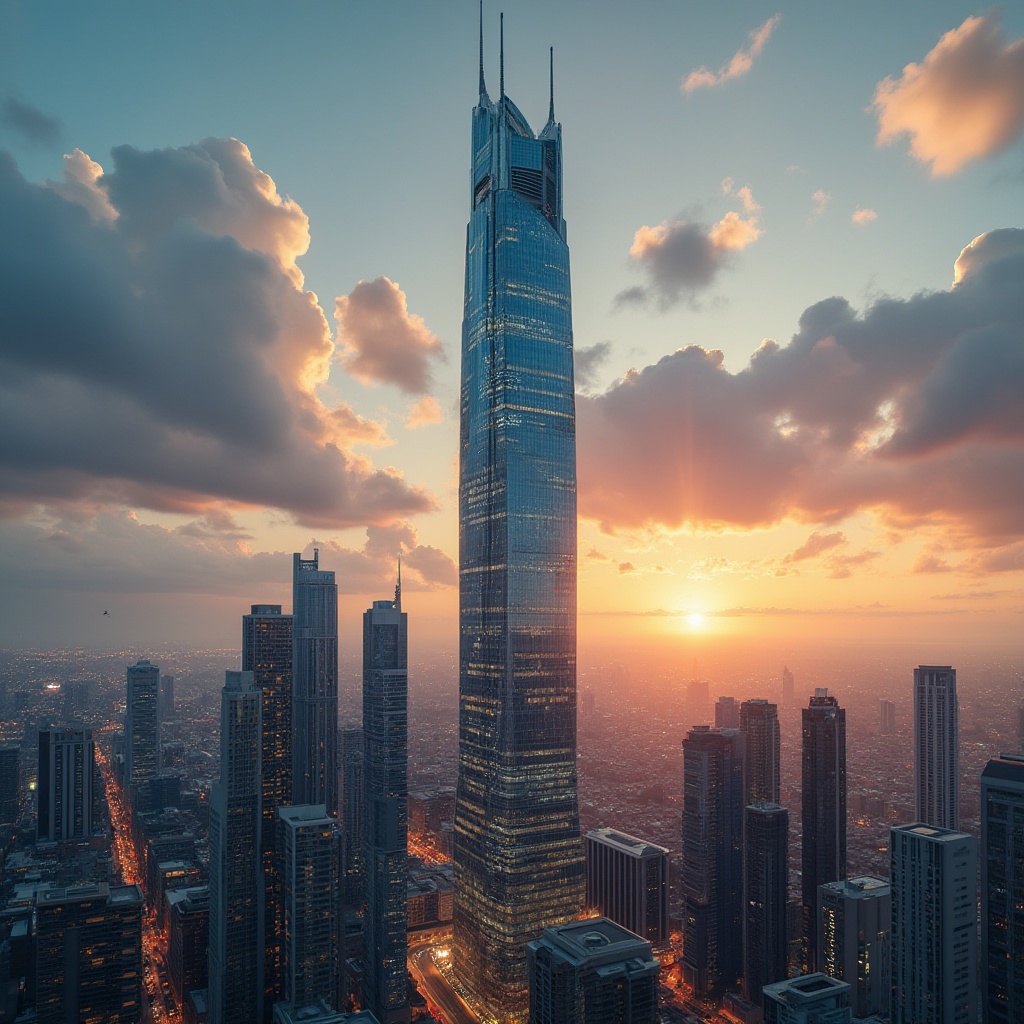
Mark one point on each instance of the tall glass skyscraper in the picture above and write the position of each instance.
(519, 864)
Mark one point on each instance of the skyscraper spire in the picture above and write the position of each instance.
(551, 79)
(398, 586)
(483, 87)
(501, 63)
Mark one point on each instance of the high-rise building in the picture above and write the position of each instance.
(759, 730)
(823, 801)
(809, 999)
(592, 972)
(887, 718)
(854, 940)
(166, 698)
(386, 819)
(933, 877)
(1002, 889)
(351, 752)
(727, 713)
(267, 654)
(314, 684)
(765, 885)
(628, 882)
(188, 939)
(1020, 728)
(235, 993)
(10, 783)
(64, 784)
(142, 723)
(89, 954)
(788, 684)
(310, 855)
(712, 875)
(518, 850)
(936, 747)
(76, 698)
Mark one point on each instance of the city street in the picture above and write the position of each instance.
(435, 988)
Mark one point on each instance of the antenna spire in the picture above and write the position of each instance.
(502, 61)
(551, 73)
(483, 88)
(398, 586)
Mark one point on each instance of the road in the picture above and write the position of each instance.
(436, 990)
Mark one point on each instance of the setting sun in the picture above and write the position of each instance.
(695, 619)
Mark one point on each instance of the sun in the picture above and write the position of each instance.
(695, 619)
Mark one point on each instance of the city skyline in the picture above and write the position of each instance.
(788, 202)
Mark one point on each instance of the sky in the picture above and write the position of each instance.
(231, 259)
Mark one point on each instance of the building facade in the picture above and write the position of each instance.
(936, 747)
(823, 802)
(934, 884)
(351, 751)
(1002, 889)
(314, 684)
(727, 713)
(759, 729)
(10, 783)
(385, 803)
(188, 939)
(235, 994)
(628, 882)
(65, 784)
(887, 718)
(518, 851)
(142, 723)
(765, 887)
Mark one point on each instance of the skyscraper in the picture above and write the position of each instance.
(518, 851)
(887, 718)
(727, 713)
(310, 853)
(236, 867)
(351, 746)
(765, 884)
(267, 654)
(788, 684)
(142, 723)
(10, 783)
(936, 747)
(933, 876)
(385, 822)
(64, 786)
(166, 698)
(712, 875)
(854, 940)
(759, 729)
(1002, 889)
(823, 801)
(315, 684)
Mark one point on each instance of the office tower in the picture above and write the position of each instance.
(235, 994)
(76, 698)
(518, 850)
(188, 939)
(592, 972)
(142, 723)
(934, 885)
(854, 940)
(385, 822)
(166, 698)
(765, 884)
(887, 718)
(627, 881)
(759, 730)
(315, 684)
(823, 801)
(936, 747)
(267, 654)
(1002, 889)
(310, 855)
(727, 713)
(89, 954)
(64, 784)
(787, 684)
(712, 875)
(10, 783)
(351, 741)
(809, 999)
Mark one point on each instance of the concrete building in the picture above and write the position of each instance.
(727, 713)
(188, 939)
(809, 999)
(65, 784)
(936, 747)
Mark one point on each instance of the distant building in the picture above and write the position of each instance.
(854, 940)
(823, 800)
(933, 875)
(89, 954)
(431, 891)
(712, 874)
(887, 718)
(1002, 889)
(787, 684)
(936, 747)
(173, 874)
(142, 723)
(759, 731)
(166, 698)
(727, 713)
(76, 698)
(64, 784)
(188, 939)
(10, 783)
(809, 999)
(591, 972)
(765, 885)
(628, 882)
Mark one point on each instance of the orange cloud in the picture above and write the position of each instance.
(425, 413)
(863, 215)
(737, 66)
(964, 101)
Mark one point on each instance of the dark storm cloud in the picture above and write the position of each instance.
(164, 353)
(27, 121)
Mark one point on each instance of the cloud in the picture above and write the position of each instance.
(588, 361)
(815, 545)
(682, 257)
(863, 215)
(598, 556)
(930, 564)
(625, 568)
(965, 101)
(841, 566)
(383, 342)
(910, 409)
(27, 121)
(159, 350)
(737, 66)
(820, 199)
(425, 413)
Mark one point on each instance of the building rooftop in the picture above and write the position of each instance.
(596, 939)
(936, 832)
(624, 842)
(806, 989)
